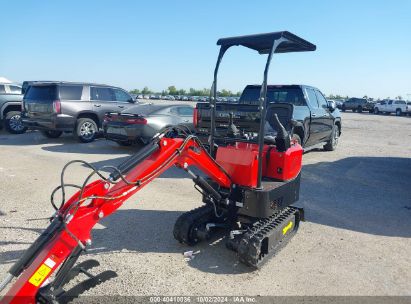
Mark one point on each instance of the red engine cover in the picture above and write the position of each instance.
(241, 162)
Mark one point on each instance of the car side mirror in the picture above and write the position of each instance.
(332, 105)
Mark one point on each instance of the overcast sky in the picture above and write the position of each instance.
(363, 47)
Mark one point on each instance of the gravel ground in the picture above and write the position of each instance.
(356, 239)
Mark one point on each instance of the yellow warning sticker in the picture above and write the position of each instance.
(288, 227)
(38, 277)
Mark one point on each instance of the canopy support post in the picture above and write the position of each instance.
(263, 108)
(213, 99)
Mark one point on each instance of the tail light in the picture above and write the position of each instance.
(57, 106)
(195, 117)
(136, 121)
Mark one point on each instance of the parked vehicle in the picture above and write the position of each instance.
(314, 122)
(134, 96)
(141, 122)
(409, 107)
(169, 97)
(339, 103)
(10, 108)
(57, 107)
(358, 105)
(399, 107)
(184, 98)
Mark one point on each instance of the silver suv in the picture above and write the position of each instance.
(57, 107)
(10, 107)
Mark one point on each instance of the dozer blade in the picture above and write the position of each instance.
(81, 267)
(80, 288)
(45, 297)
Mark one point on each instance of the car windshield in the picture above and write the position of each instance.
(292, 96)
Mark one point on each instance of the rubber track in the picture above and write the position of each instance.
(249, 249)
(184, 223)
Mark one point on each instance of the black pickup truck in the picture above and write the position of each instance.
(307, 115)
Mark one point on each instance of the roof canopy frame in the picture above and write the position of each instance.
(269, 43)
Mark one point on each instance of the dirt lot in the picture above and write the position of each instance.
(356, 240)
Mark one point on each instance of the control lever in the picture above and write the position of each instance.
(282, 139)
(232, 129)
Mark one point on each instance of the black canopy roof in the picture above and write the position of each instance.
(263, 42)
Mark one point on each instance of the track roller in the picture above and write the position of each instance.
(191, 227)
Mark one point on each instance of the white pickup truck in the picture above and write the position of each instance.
(399, 107)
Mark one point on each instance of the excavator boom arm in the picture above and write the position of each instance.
(70, 230)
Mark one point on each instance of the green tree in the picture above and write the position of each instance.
(205, 92)
(146, 91)
(225, 93)
(172, 90)
(135, 91)
(192, 91)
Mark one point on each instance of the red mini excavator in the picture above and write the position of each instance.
(250, 181)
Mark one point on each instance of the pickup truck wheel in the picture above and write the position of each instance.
(13, 123)
(86, 130)
(51, 133)
(331, 145)
(359, 109)
(398, 112)
(376, 111)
